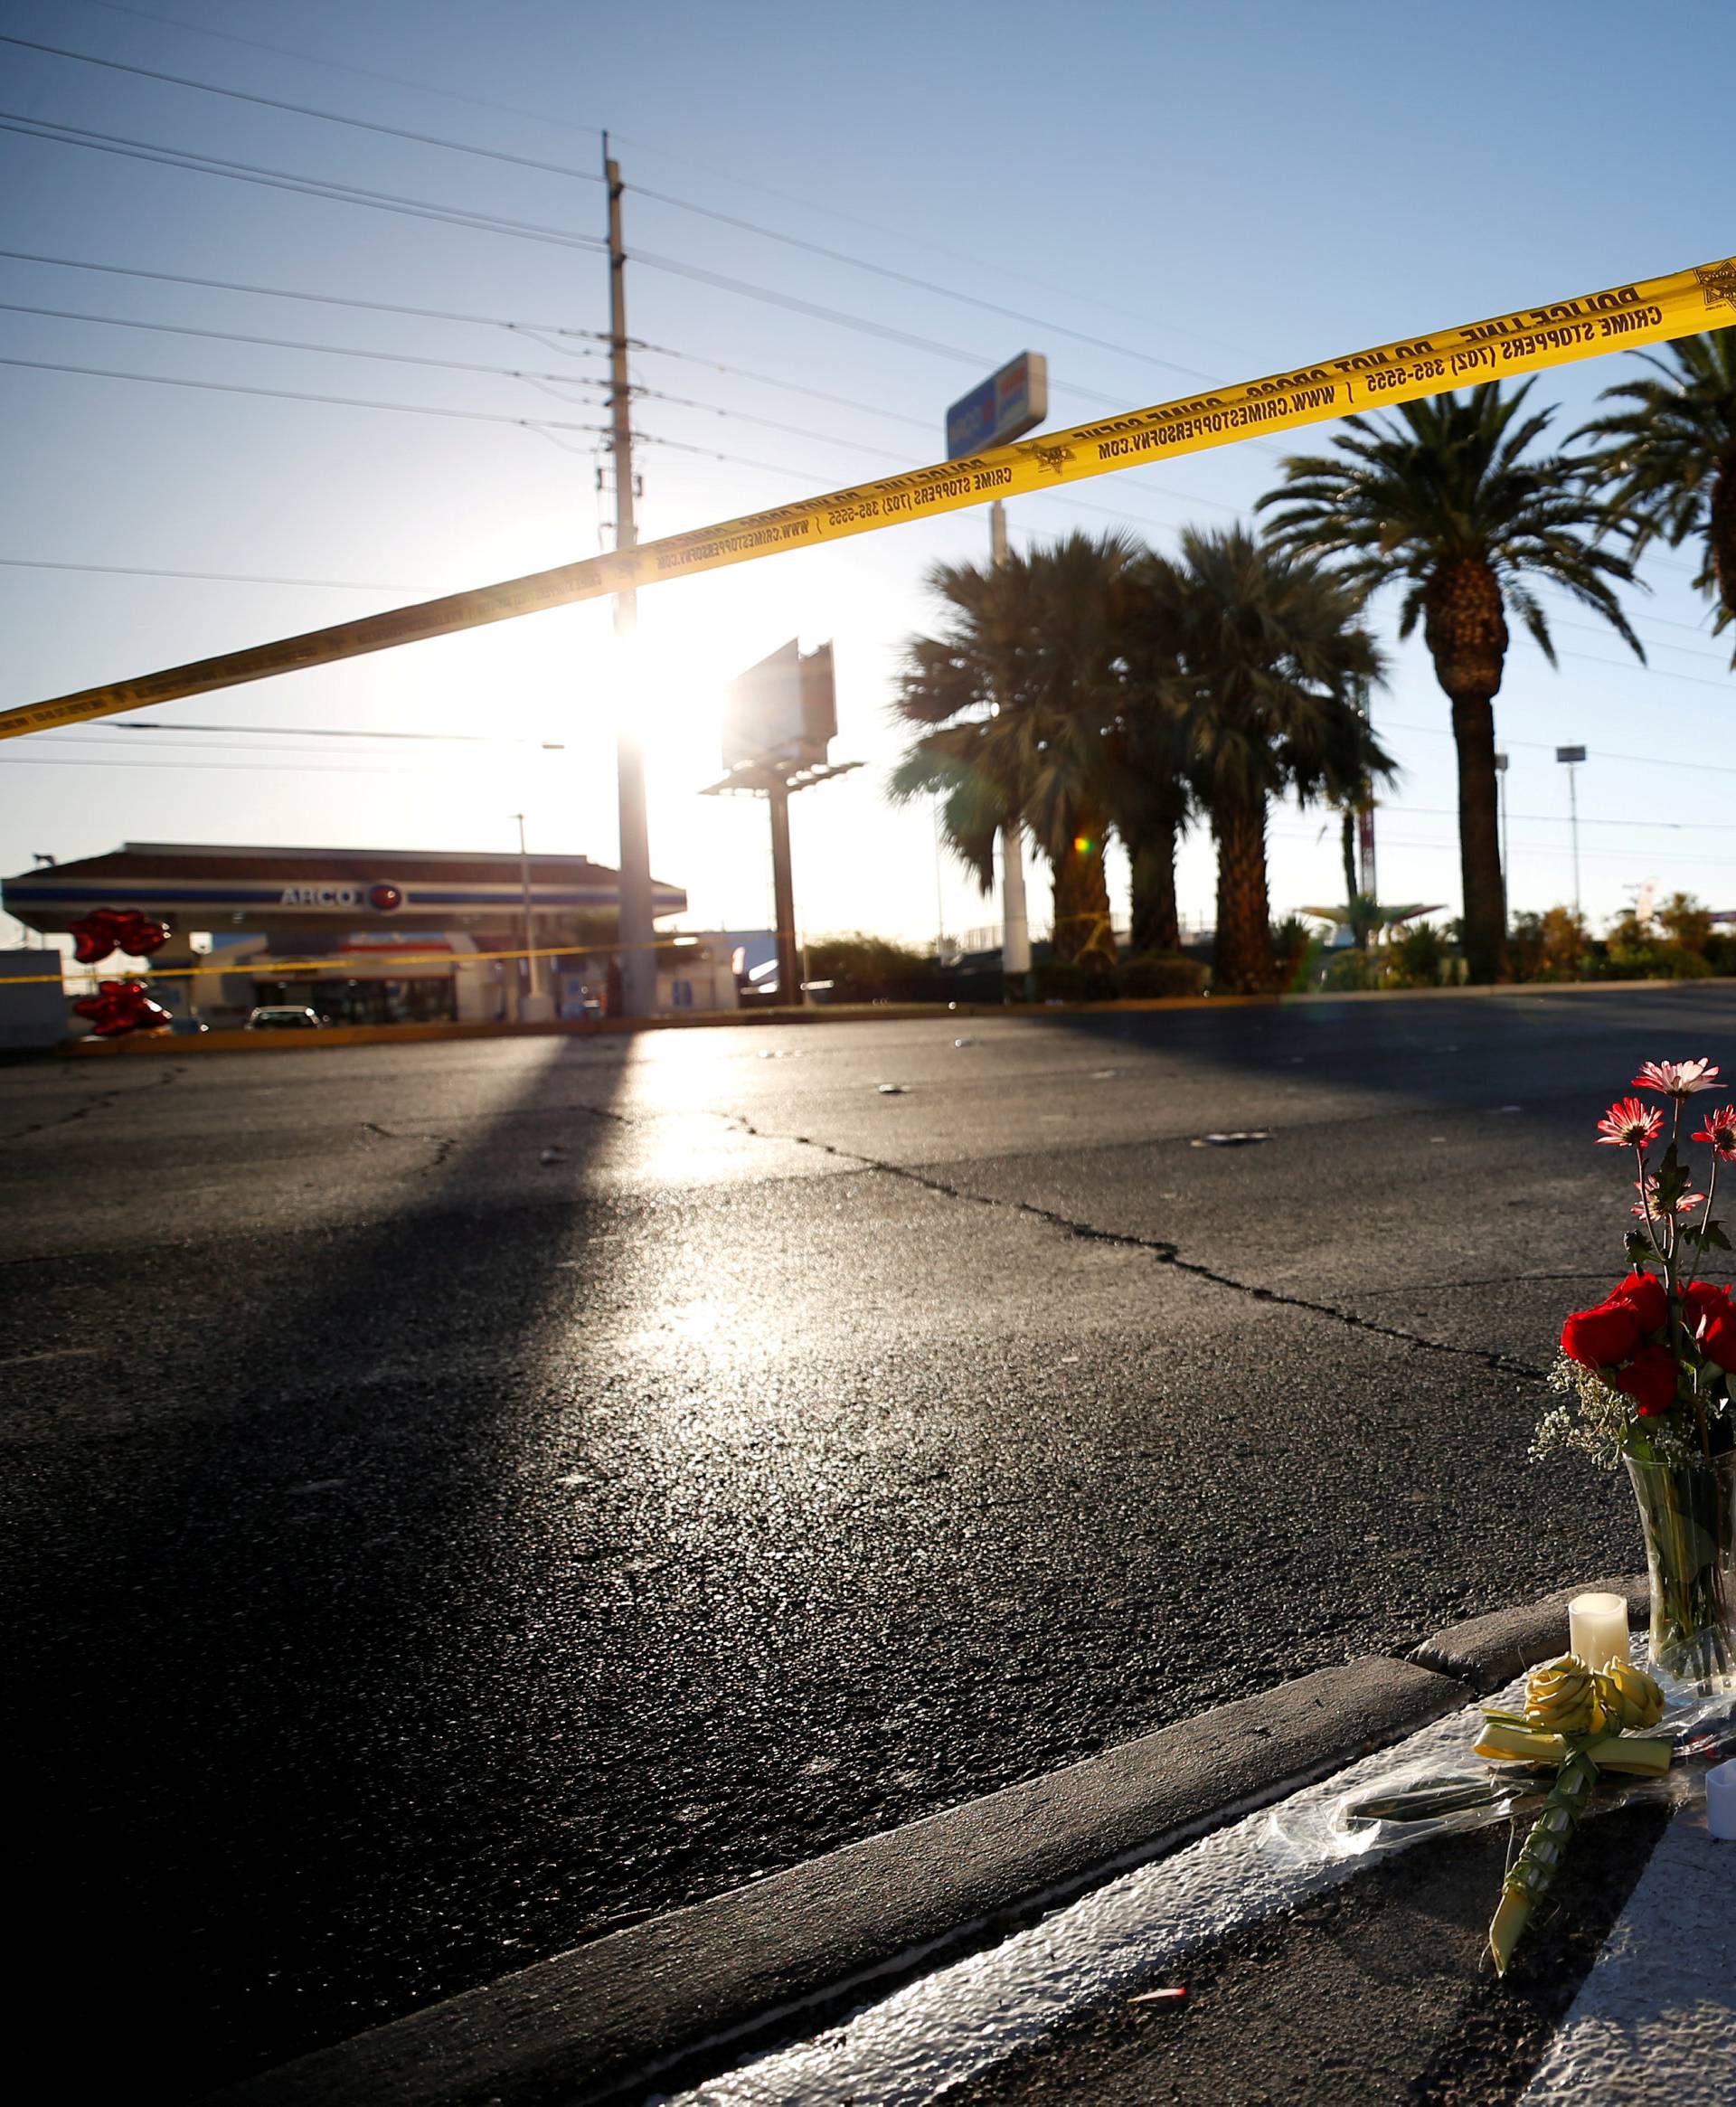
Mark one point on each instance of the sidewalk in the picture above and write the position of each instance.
(968, 1966)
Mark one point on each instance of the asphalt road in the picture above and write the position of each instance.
(465, 1496)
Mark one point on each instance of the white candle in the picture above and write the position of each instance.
(1720, 1801)
(1597, 1628)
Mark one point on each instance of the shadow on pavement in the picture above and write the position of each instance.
(285, 1616)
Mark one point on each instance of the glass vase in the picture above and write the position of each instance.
(1688, 1514)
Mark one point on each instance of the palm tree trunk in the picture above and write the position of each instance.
(1156, 926)
(1467, 633)
(1242, 963)
(1081, 896)
(1721, 532)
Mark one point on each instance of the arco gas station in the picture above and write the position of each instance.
(373, 936)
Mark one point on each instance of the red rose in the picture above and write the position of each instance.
(1702, 1300)
(1645, 1295)
(1649, 1379)
(1600, 1338)
(1718, 1341)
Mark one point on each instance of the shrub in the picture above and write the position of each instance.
(1150, 974)
(1418, 956)
(1350, 968)
(1087, 980)
(861, 957)
(1550, 947)
(1686, 923)
(1291, 941)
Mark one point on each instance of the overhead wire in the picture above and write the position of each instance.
(462, 365)
(904, 236)
(61, 134)
(534, 331)
(203, 577)
(226, 285)
(65, 135)
(1698, 768)
(921, 284)
(305, 109)
(303, 395)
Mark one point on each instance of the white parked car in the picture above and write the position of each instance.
(283, 1016)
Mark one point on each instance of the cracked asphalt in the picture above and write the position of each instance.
(466, 1497)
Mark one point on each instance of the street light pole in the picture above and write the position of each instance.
(527, 975)
(1501, 777)
(638, 963)
(1572, 756)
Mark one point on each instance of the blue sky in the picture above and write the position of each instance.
(1148, 194)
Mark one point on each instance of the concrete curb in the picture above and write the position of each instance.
(1488, 1651)
(886, 1012)
(615, 2015)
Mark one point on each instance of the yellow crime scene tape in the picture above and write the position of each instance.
(1527, 341)
(347, 961)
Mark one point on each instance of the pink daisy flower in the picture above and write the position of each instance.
(1677, 1079)
(1628, 1124)
(1719, 1130)
(1646, 1187)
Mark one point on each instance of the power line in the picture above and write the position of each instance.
(227, 767)
(922, 284)
(224, 285)
(305, 109)
(1564, 819)
(1698, 768)
(348, 194)
(1654, 672)
(1658, 643)
(341, 66)
(546, 425)
(535, 330)
(240, 746)
(334, 731)
(457, 365)
(204, 577)
(903, 236)
(792, 387)
(450, 365)
(301, 395)
(65, 135)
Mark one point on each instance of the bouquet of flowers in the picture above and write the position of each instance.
(1647, 1377)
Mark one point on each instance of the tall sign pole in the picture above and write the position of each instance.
(1005, 406)
(637, 960)
(779, 720)
(783, 894)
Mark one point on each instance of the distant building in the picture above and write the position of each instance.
(33, 1000)
(388, 936)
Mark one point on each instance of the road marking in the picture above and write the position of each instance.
(1655, 2022)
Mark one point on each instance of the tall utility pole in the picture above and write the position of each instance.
(1016, 922)
(637, 960)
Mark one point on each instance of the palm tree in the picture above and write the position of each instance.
(1270, 658)
(1016, 691)
(1671, 456)
(1451, 500)
(1146, 753)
